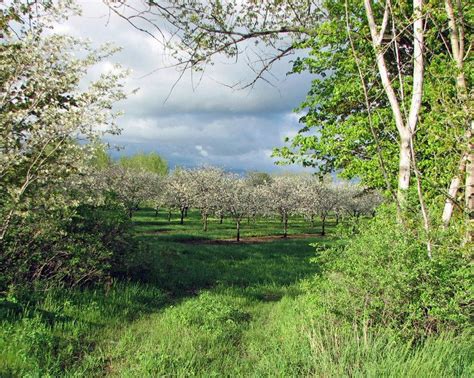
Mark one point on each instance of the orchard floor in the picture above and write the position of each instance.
(206, 306)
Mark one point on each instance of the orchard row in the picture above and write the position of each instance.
(215, 192)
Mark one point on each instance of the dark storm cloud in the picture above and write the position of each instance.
(207, 123)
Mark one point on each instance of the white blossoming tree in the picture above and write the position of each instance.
(238, 199)
(178, 193)
(330, 199)
(311, 198)
(205, 186)
(47, 119)
(130, 187)
(284, 197)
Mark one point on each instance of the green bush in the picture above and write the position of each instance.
(73, 247)
(383, 277)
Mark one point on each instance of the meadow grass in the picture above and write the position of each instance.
(199, 308)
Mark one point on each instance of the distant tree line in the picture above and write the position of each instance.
(215, 192)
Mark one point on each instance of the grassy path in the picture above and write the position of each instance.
(224, 300)
(209, 309)
(228, 297)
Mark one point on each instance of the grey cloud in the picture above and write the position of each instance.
(207, 124)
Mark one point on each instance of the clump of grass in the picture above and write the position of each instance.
(50, 334)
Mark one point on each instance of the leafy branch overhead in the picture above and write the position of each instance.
(197, 32)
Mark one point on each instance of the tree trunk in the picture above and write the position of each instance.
(457, 46)
(456, 36)
(186, 212)
(221, 219)
(323, 225)
(312, 221)
(337, 219)
(156, 212)
(238, 230)
(130, 213)
(169, 216)
(452, 192)
(405, 130)
(205, 222)
(469, 194)
(285, 226)
(182, 217)
(404, 170)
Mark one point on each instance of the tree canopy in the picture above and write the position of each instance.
(151, 162)
(390, 98)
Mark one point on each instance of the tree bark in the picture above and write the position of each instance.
(457, 44)
(221, 219)
(405, 129)
(169, 216)
(453, 191)
(285, 226)
(469, 194)
(369, 110)
(457, 48)
(323, 225)
(238, 230)
(404, 170)
(404, 161)
(182, 217)
(205, 222)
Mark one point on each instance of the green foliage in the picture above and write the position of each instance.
(74, 247)
(383, 278)
(101, 159)
(336, 132)
(256, 178)
(248, 309)
(151, 162)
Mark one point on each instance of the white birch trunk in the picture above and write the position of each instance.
(469, 195)
(404, 170)
(453, 191)
(457, 48)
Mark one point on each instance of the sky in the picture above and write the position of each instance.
(202, 121)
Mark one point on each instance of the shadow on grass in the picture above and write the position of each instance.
(55, 329)
(183, 269)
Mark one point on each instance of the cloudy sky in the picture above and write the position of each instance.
(204, 124)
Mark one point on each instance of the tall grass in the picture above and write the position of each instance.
(228, 332)
(210, 311)
(47, 334)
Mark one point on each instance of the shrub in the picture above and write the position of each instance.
(73, 247)
(383, 277)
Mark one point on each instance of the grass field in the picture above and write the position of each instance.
(209, 307)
